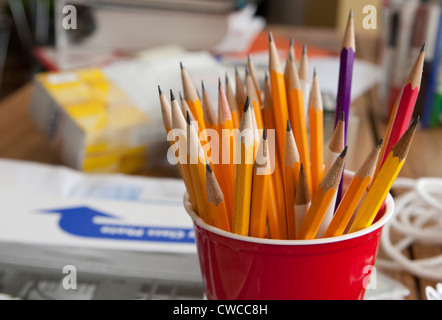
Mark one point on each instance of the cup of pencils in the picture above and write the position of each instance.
(236, 267)
(276, 214)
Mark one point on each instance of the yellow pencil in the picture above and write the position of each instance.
(291, 55)
(276, 212)
(260, 190)
(173, 118)
(211, 144)
(302, 199)
(275, 217)
(280, 118)
(323, 197)
(240, 91)
(232, 104)
(316, 120)
(295, 102)
(267, 105)
(210, 118)
(197, 168)
(166, 110)
(216, 203)
(292, 164)
(279, 98)
(192, 98)
(252, 94)
(244, 172)
(227, 133)
(252, 71)
(255, 131)
(185, 107)
(179, 145)
(336, 144)
(335, 147)
(384, 180)
(304, 78)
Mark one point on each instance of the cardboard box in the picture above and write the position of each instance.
(91, 122)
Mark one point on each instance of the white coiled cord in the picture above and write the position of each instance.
(417, 219)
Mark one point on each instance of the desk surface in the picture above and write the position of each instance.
(21, 139)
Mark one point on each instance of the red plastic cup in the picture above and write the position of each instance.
(238, 267)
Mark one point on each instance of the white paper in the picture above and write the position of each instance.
(111, 211)
(365, 75)
(140, 79)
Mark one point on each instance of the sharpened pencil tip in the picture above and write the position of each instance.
(350, 15)
(208, 167)
(270, 36)
(172, 96)
(344, 153)
(304, 49)
(292, 42)
(289, 127)
(247, 71)
(189, 120)
(415, 122)
(380, 143)
(246, 104)
(264, 134)
(180, 95)
(181, 65)
(343, 116)
(203, 88)
(160, 92)
(314, 71)
(423, 47)
(401, 148)
(219, 84)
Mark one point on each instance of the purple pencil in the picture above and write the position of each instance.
(346, 74)
(343, 99)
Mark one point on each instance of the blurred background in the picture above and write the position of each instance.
(28, 25)
(79, 87)
(33, 38)
(135, 45)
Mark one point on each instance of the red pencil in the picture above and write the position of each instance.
(401, 117)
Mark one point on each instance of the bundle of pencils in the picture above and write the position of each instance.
(253, 169)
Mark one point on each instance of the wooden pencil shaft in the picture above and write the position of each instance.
(350, 201)
(243, 189)
(216, 202)
(260, 191)
(384, 180)
(377, 194)
(244, 173)
(347, 58)
(322, 199)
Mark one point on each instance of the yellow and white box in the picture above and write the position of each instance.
(91, 122)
